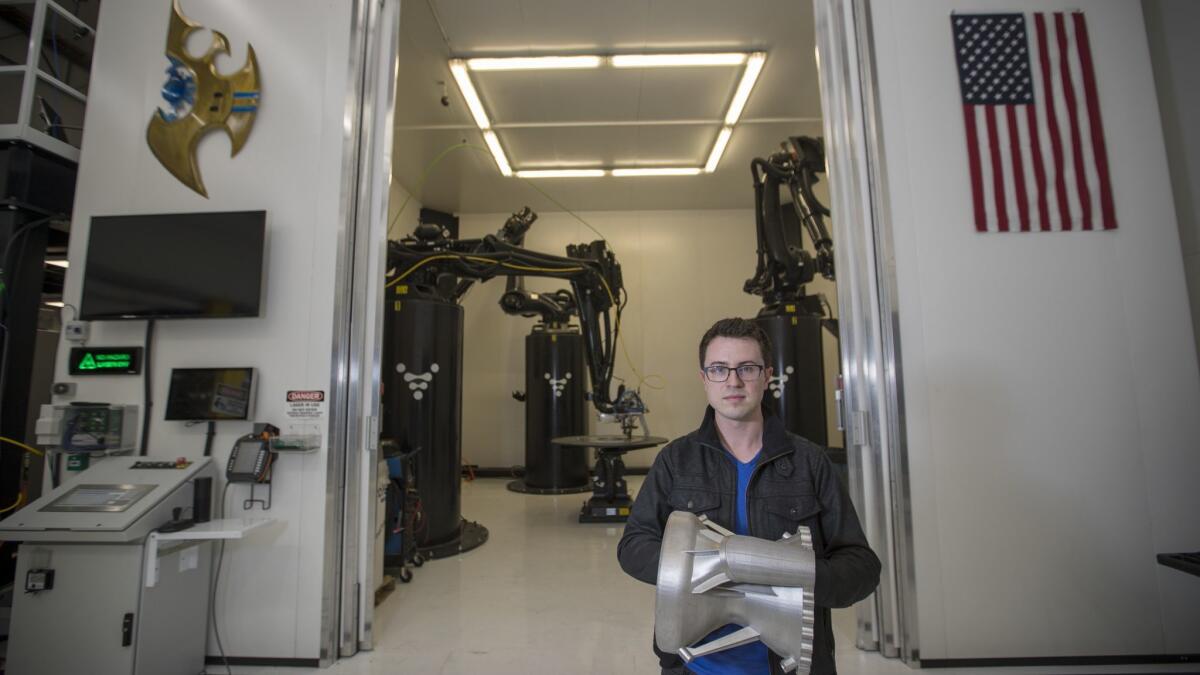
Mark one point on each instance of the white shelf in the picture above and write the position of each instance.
(228, 528)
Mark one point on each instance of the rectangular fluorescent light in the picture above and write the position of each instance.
(752, 62)
(55, 303)
(493, 144)
(754, 66)
(536, 63)
(663, 171)
(714, 157)
(677, 60)
(562, 173)
(59, 263)
(463, 78)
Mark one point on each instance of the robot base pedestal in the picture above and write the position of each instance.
(601, 510)
(470, 535)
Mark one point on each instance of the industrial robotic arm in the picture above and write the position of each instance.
(434, 265)
(554, 308)
(784, 267)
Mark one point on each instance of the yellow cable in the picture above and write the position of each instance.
(659, 387)
(559, 205)
(489, 261)
(526, 268)
(424, 176)
(20, 498)
(412, 269)
(19, 444)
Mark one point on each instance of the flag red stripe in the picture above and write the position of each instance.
(1039, 171)
(976, 172)
(1060, 184)
(1018, 165)
(1093, 106)
(1085, 195)
(997, 168)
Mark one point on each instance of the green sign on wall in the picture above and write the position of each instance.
(105, 361)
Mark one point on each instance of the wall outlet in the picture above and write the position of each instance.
(76, 331)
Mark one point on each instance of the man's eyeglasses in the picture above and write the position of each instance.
(747, 372)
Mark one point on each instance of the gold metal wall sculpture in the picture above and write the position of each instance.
(201, 100)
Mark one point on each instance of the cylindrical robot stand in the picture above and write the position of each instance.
(422, 404)
(797, 387)
(555, 381)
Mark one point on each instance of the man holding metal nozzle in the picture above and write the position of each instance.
(744, 471)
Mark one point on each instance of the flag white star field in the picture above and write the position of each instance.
(1035, 143)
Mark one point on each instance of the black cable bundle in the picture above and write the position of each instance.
(147, 380)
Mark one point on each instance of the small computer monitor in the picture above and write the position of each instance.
(210, 394)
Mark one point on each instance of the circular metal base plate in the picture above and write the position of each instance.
(609, 441)
(519, 485)
(470, 535)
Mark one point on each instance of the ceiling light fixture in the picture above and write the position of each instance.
(463, 79)
(714, 157)
(493, 144)
(754, 65)
(677, 60)
(58, 263)
(663, 171)
(562, 173)
(753, 68)
(536, 63)
(55, 303)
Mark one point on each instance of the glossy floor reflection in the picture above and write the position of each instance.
(545, 595)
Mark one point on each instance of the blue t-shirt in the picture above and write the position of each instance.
(748, 659)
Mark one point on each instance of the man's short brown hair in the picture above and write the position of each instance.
(737, 327)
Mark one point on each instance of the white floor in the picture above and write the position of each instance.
(545, 595)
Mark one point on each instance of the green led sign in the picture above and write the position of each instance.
(105, 361)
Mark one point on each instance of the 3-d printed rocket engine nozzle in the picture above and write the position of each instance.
(709, 577)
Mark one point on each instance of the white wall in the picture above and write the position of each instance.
(1171, 26)
(404, 211)
(1050, 379)
(683, 271)
(270, 594)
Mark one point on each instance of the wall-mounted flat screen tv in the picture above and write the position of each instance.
(174, 266)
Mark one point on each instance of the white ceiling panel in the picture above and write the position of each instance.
(687, 93)
(607, 147)
(607, 94)
(603, 95)
(493, 27)
(636, 116)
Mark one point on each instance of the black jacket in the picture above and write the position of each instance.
(793, 484)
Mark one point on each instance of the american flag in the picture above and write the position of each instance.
(1034, 138)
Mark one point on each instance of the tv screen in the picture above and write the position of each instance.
(174, 266)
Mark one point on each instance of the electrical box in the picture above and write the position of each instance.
(88, 427)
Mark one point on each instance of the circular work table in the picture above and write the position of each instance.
(610, 501)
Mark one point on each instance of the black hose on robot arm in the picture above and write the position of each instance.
(784, 267)
(433, 265)
(808, 155)
(554, 308)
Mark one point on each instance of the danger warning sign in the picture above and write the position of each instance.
(305, 404)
